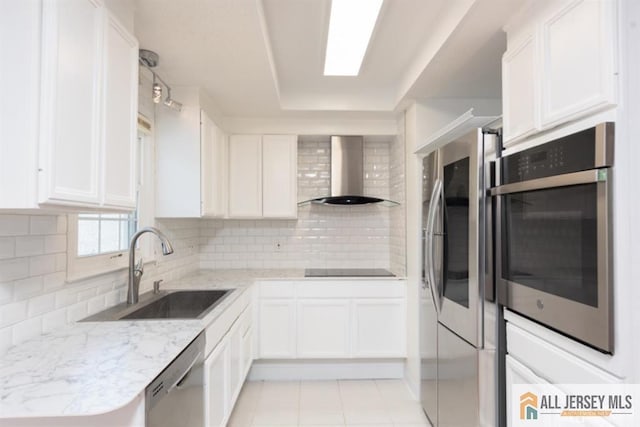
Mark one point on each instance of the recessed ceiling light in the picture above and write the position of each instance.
(350, 28)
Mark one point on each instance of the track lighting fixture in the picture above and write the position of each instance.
(149, 60)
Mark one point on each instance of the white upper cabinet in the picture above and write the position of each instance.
(560, 65)
(520, 98)
(263, 176)
(190, 162)
(76, 93)
(577, 60)
(213, 172)
(120, 93)
(70, 109)
(279, 176)
(245, 176)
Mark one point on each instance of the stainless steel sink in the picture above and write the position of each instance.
(165, 305)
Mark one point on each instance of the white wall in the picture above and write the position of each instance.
(629, 17)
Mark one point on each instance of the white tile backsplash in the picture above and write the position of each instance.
(14, 225)
(29, 245)
(14, 269)
(44, 224)
(7, 247)
(34, 295)
(397, 232)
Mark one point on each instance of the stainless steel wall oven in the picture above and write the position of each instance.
(555, 237)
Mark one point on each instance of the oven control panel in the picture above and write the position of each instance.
(569, 154)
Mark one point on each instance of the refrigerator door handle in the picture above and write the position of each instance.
(424, 259)
(436, 195)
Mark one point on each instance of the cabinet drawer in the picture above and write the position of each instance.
(351, 289)
(552, 363)
(277, 289)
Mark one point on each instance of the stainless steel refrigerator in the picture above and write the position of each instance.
(458, 316)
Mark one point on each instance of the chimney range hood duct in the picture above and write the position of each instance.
(347, 174)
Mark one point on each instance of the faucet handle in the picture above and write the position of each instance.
(156, 286)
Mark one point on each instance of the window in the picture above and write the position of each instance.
(103, 233)
(98, 242)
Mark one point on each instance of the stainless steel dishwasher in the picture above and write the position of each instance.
(176, 396)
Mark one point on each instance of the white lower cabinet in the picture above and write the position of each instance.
(541, 359)
(235, 362)
(323, 328)
(378, 328)
(247, 351)
(332, 320)
(277, 329)
(216, 390)
(227, 365)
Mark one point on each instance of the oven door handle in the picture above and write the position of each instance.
(574, 178)
(436, 196)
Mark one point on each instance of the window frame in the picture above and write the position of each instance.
(82, 267)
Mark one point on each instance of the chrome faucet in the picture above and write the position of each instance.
(136, 270)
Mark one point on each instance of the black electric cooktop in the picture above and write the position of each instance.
(347, 272)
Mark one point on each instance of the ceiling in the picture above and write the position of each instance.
(264, 58)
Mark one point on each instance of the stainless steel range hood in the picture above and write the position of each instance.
(347, 174)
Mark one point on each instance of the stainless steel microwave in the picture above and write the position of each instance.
(554, 240)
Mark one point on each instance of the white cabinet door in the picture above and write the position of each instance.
(20, 27)
(208, 165)
(517, 373)
(245, 176)
(220, 174)
(216, 386)
(279, 176)
(323, 328)
(235, 361)
(70, 122)
(178, 151)
(213, 168)
(277, 328)
(247, 352)
(577, 60)
(191, 160)
(519, 94)
(120, 94)
(378, 328)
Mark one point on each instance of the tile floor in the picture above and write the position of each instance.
(327, 403)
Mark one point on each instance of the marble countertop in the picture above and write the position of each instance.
(91, 368)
